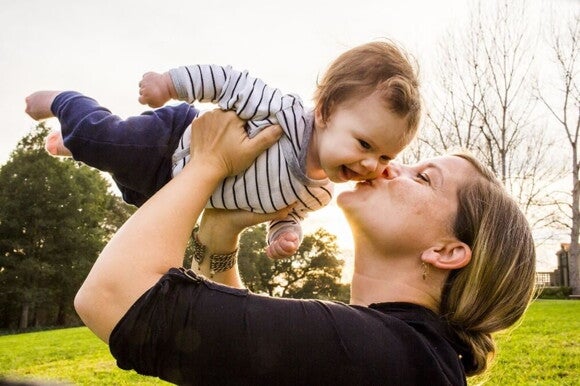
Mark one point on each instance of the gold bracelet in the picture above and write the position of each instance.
(217, 262)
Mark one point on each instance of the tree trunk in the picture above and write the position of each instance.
(574, 252)
(61, 315)
(24, 316)
(573, 263)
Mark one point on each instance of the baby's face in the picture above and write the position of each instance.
(359, 139)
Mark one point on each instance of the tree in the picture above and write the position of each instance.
(564, 107)
(483, 101)
(313, 272)
(55, 217)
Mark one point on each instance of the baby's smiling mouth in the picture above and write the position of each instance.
(350, 175)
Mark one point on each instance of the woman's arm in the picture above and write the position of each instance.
(155, 237)
(219, 232)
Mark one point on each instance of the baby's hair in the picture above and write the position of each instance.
(381, 67)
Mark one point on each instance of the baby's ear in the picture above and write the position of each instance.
(452, 255)
(318, 120)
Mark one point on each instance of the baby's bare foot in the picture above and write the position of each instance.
(38, 104)
(54, 144)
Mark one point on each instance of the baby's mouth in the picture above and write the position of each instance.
(347, 174)
(351, 175)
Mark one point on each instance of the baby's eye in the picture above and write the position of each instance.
(384, 159)
(364, 144)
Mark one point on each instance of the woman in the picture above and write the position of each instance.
(443, 258)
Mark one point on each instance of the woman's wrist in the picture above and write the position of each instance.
(215, 255)
(216, 234)
(218, 262)
(203, 172)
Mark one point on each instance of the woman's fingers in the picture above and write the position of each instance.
(265, 139)
(244, 154)
(219, 138)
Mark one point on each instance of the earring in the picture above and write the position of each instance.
(425, 267)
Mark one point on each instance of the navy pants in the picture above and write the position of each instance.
(136, 151)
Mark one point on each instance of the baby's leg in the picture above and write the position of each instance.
(54, 144)
(136, 151)
(38, 104)
(38, 107)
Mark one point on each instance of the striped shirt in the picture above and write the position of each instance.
(278, 176)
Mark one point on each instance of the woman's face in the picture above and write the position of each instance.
(410, 208)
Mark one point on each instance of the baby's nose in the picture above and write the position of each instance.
(370, 164)
(392, 170)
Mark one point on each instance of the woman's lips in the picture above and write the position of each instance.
(365, 182)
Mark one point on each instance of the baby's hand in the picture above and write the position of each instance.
(285, 245)
(38, 104)
(156, 89)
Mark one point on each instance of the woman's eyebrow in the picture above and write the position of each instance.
(432, 165)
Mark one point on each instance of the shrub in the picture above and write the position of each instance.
(553, 292)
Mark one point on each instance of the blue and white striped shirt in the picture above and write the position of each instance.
(278, 176)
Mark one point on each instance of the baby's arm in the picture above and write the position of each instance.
(284, 237)
(156, 89)
(225, 86)
(183, 83)
(285, 245)
(251, 98)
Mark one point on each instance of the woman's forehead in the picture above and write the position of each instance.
(444, 162)
(450, 162)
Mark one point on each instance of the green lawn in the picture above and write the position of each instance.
(543, 350)
(68, 356)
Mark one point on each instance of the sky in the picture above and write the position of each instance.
(101, 48)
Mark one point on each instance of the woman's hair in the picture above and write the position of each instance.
(493, 291)
(380, 67)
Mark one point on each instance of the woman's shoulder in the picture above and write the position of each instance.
(416, 335)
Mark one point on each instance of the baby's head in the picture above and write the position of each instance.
(380, 67)
(369, 94)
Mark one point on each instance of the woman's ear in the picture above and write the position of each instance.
(452, 255)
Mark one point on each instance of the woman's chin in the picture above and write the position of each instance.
(346, 200)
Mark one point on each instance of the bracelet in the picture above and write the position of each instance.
(217, 262)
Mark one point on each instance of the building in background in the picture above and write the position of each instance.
(559, 277)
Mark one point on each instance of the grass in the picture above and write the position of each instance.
(67, 356)
(543, 350)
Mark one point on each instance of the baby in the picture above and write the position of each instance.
(367, 109)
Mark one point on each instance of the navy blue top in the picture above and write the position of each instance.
(189, 330)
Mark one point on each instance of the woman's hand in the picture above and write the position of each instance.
(219, 139)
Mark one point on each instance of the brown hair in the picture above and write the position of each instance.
(493, 291)
(381, 67)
